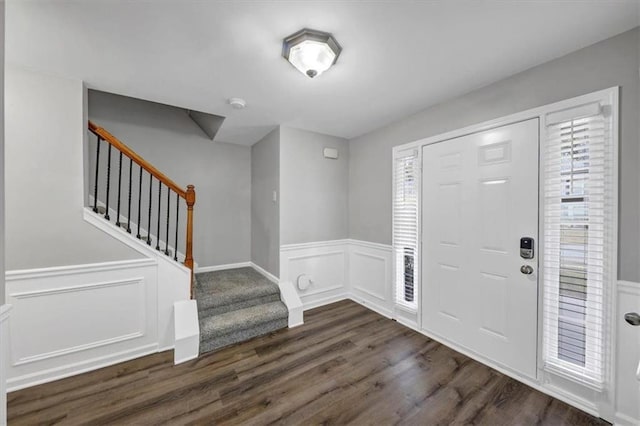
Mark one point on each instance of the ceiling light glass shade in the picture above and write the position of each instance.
(311, 52)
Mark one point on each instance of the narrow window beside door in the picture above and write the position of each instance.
(579, 266)
(405, 228)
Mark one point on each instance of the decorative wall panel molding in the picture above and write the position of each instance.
(93, 315)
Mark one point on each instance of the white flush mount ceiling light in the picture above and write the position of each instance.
(311, 52)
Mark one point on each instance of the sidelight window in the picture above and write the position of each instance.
(405, 228)
(579, 227)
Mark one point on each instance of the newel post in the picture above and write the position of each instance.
(188, 261)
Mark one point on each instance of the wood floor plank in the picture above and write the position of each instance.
(345, 365)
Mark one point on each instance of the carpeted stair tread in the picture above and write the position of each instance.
(231, 287)
(242, 335)
(207, 311)
(217, 326)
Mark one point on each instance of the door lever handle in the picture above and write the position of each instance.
(632, 318)
(526, 269)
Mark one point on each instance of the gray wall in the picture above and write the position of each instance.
(167, 138)
(314, 190)
(613, 62)
(265, 213)
(44, 136)
(2, 295)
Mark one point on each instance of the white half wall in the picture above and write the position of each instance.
(628, 356)
(71, 319)
(324, 262)
(342, 269)
(370, 276)
(4, 356)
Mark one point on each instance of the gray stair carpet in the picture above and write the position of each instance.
(236, 305)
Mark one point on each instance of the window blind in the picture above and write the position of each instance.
(579, 199)
(405, 228)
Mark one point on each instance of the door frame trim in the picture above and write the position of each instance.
(546, 382)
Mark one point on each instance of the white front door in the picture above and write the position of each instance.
(479, 198)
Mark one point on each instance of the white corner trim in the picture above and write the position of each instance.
(213, 268)
(290, 298)
(54, 271)
(268, 275)
(187, 331)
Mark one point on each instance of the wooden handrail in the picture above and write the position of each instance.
(108, 137)
(189, 195)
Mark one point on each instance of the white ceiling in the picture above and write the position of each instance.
(398, 56)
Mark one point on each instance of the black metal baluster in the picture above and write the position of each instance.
(139, 202)
(106, 212)
(149, 221)
(95, 186)
(119, 188)
(159, 210)
(166, 241)
(129, 209)
(175, 246)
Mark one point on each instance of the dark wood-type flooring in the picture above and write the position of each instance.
(346, 365)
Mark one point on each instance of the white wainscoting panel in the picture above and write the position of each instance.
(324, 262)
(173, 278)
(73, 319)
(628, 356)
(370, 279)
(5, 311)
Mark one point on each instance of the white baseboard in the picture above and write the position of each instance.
(385, 312)
(624, 420)
(214, 268)
(268, 275)
(62, 372)
(326, 301)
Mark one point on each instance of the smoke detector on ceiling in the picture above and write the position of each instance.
(237, 103)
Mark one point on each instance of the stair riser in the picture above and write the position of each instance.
(242, 335)
(207, 312)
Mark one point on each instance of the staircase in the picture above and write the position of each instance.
(233, 305)
(236, 305)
